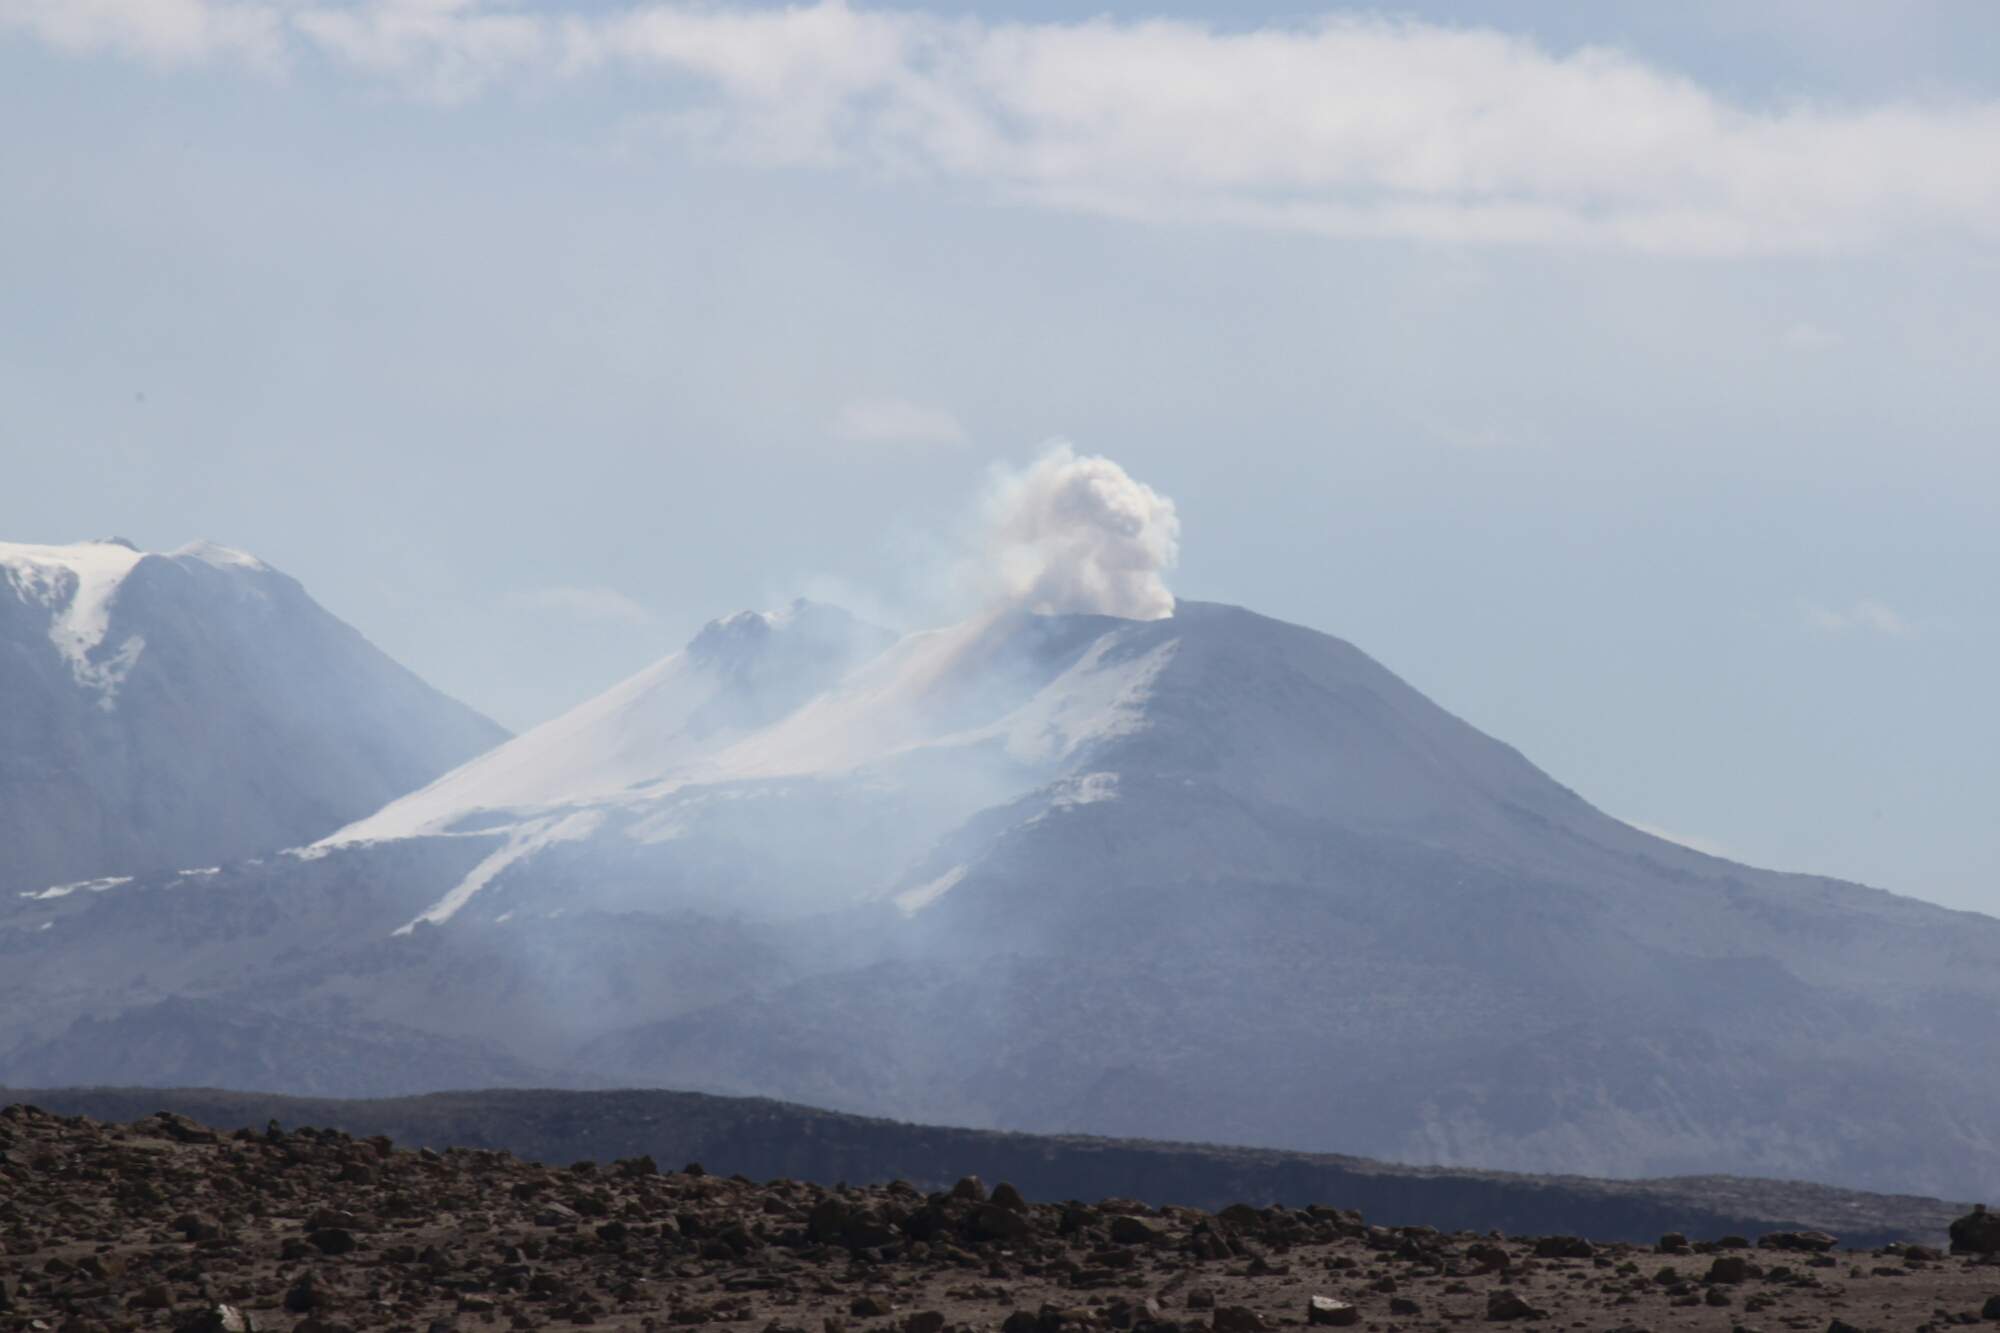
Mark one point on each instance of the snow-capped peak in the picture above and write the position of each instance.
(78, 585)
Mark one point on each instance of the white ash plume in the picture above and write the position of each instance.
(1076, 533)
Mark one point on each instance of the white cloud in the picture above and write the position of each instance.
(1866, 615)
(1346, 126)
(897, 421)
(157, 32)
(599, 604)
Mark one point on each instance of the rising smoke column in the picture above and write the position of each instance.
(1075, 533)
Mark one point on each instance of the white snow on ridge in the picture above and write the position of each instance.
(1091, 702)
(77, 584)
(81, 886)
(637, 744)
(646, 734)
(912, 901)
(887, 707)
(523, 841)
(677, 749)
(634, 732)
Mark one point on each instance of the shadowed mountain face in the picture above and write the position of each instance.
(1212, 877)
(168, 711)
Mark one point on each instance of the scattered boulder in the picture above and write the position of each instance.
(308, 1295)
(179, 1128)
(1006, 1196)
(1564, 1247)
(995, 1221)
(1133, 1231)
(1506, 1304)
(1729, 1269)
(1327, 1310)
(332, 1240)
(1978, 1232)
(219, 1319)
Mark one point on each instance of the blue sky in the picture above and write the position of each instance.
(1622, 375)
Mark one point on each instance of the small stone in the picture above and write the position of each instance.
(1006, 1196)
(305, 1295)
(1132, 1231)
(332, 1240)
(1505, 1304)
(1327, 1310)
(1237, 1319)
(1729, 1268)
(219, 1319)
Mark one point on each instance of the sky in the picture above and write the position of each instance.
(1621, 375)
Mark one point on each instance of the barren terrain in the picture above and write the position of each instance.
(166, 1224)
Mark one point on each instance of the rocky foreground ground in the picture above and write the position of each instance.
(166, 1224)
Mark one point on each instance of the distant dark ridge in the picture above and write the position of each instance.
(766, 1139)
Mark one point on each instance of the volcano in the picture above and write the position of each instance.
(1207, 877)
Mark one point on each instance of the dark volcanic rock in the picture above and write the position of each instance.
(1978, 1232)
(1814, 1241)
(1504, 1305)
